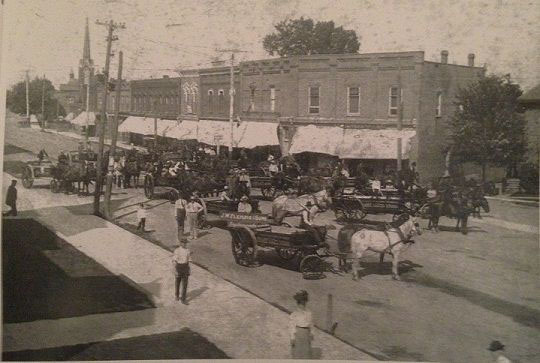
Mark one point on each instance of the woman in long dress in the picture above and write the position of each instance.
(300, 325)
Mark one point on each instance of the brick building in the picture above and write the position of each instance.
(159, 96)
(68, 95)
(530, 100)
(358, 93)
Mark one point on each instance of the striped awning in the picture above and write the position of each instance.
(319, 139)
(374, 144)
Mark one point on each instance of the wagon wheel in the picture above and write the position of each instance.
(312, 267)
(55, 186)
(340, 214)
(27, 180)
(268, 192)
(287, 254)
(244, 246)
(149, 186)
(173, 195)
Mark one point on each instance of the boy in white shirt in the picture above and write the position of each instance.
(141, 216)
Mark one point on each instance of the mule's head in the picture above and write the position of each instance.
(409, 225)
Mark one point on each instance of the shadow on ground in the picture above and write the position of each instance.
(46, 278)
(184, 344)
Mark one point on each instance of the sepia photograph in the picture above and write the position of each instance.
(336, 180)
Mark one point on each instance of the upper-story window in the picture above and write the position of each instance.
(272, 99)
(221, 100)
(438, 108)
(314, 100)
(252, 90)
(210, 101)
(353, 100)
(393, 101)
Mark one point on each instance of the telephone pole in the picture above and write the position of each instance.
(43, 103)
(399, 119)
(231, 96)
(112, 26)
(114, 136)
(27, 96)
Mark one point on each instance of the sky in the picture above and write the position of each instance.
(46, 36)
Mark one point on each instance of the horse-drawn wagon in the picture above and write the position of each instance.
(216, 205)
(34, 170)
(250, 233)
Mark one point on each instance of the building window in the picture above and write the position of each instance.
(221, 100)
(353, 100)
(393, 101)
(211, 101)
(314, 101)
(438, 109)
(272, 99)
(252, 90)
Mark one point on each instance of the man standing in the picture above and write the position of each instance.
(308, 218)
(141, 216)
(11, 199)
(181, 260)
(180, 214)
(192, 212)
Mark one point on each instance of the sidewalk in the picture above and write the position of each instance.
(237, 322)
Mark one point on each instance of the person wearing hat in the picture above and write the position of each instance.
(244, 180)
(223, 195)
(497, 349)
(192, 213)
(180, 214)
(180, 260)
(62, 158)
(309, 213)
(273, 168)
(300, 325)
(244, 206)
(11, 199)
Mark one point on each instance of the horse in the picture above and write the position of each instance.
(394, 240)
(284, 206)
(478, 201)
(132, 168)
(87, 172)
(457, 206)
(311, 184)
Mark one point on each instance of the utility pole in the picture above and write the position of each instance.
(27, 96)
(112, 26)
(155, 123)
(43, 103)
(87, 79)
(231, 96)
(114, 136)
(57, 108)
(399, 119)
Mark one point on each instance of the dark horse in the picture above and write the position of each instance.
(456, 205)
(478, 201)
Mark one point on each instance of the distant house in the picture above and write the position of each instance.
(530, 100)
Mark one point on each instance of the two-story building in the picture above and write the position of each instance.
(348, 105)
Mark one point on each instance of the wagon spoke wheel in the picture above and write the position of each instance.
(27, 181)
(312, 267)
(149, 186)
(340, 214)
(244, 246)
(268, 192)
(286, 254)
(55, 186)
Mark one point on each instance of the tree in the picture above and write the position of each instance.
(487, 127)
(304, 37)
(16, 98)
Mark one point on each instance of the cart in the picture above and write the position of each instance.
(270, 188)
(357, 207)
(216, 205)
(252, 232)
(37, 170)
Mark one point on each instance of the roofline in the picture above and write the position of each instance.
(455, 65)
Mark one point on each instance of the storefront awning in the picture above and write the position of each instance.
(319, 139)
(163, 126)
(185, 130)
(137, 125)
(253, 134)
(214, 132)
(374, 144)
(81, 119)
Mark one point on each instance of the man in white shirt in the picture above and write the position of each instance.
(180, 214)
(244, 206)
(308, 218)
(192, 212)
(223, 195)
(141, 216)
(180, 260)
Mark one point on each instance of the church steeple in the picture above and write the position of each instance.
(86, 49)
